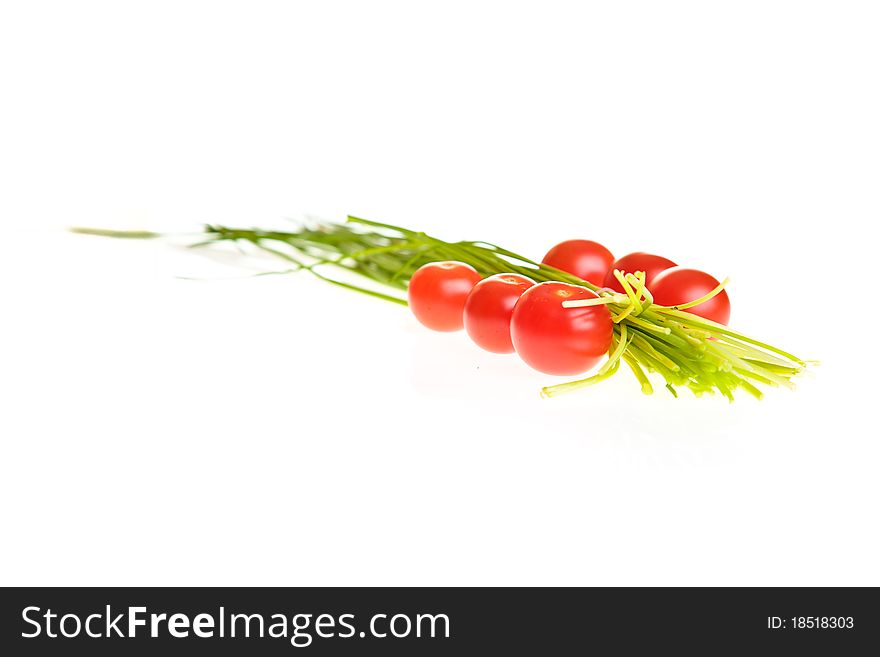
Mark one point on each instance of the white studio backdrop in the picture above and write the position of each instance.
(274, 430)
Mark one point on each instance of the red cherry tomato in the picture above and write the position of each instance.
(489, 307)
(630, 264)
(437, 292)
(679, 285)
(582, 258)
(557, 340)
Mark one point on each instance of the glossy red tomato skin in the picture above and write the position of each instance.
(679, 285)
(582, 258)
(437, 293)
(488, 309)
(557, 340)
(631, 263)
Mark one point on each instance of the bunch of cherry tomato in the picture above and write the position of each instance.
(508, 313)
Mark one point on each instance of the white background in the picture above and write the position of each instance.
(272, 430)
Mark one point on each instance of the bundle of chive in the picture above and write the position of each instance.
(686, 350)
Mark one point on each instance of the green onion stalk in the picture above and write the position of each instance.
(686, 350)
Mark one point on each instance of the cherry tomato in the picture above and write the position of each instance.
(437, 292)
(489, 307)
(630, 264)
(582, 258)
(680, 285)
(557, 340)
